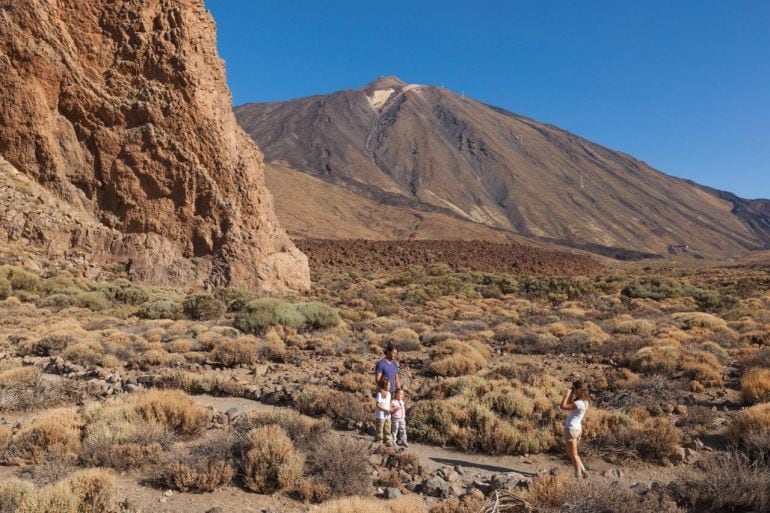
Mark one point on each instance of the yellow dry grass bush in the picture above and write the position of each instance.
(755, 385)
(19, 376)
(749, 424)
(269, 460)
(548, 490)
(357, 383)
(589, 333)
(410, 504)
(457, 358)
(691, 320)
(235, 352)
(85, 491)
(697, 365)
(173, 409)
(600, 423)
(180, 346)
(559, 329)
(154, 335)
(641, 327)
(90, 353)
(404, 339)
(54, 435)
(572, 311)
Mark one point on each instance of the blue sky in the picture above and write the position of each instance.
(681, 84)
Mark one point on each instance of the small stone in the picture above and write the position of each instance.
(168, 493)
(232, 413)
(392, 493)
(679, 456)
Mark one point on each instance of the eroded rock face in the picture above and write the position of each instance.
(120, 108)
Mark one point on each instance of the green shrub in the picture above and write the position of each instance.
(654, 288)
(555, 286)
(58, 301)
(262, 313)
(20, 278)
(318, 315)
(258, 315)
(122, 291)
(92, 300)
(203, 307)
(161, 309)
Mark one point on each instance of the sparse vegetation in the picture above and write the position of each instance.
(269, 461)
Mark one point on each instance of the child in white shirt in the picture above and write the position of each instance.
(398, 417)
(382, 413)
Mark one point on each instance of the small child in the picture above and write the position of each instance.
(382, 413)
(398, 417)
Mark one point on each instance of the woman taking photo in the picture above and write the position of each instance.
(576, 403)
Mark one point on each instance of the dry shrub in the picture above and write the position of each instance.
(605, 497)
(410, 504)
(639, 327)
(132, 432)
(601, 424)
(173, 409)
(755, 385)
(94, 489)
(697, 365)
(656, 439)
(750, 430)
(469, 503)
(305, 433)
(340, 406)
(55, 435)
(310, 490)
(357, 383)
(456, 358)
(26, 388)
(405, 339)
(473, 427)
(692, 320)
(234, 352)
(204, 468)
(49, 345)
(86, 491)
(341, 464)
(724, 482)
(269, 461)
(548, 490)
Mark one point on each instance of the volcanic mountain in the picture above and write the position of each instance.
(394, 160)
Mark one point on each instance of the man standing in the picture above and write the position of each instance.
(388, 368)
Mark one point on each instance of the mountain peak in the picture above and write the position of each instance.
(385, 82)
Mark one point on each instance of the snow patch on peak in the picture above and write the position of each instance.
(378, 98)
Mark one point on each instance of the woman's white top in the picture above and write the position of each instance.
(575, 417)
(383, 401)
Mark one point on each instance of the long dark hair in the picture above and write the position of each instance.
(580, 391)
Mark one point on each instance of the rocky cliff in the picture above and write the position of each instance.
(121, 109)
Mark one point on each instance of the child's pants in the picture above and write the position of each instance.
(399, 430)
(383, 431)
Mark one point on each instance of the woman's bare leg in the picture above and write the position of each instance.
(577, 463)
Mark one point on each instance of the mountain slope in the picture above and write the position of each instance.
(429, 149)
